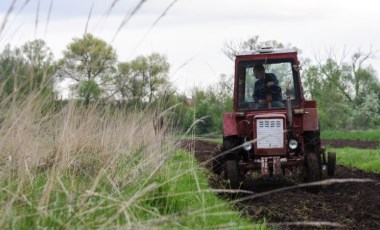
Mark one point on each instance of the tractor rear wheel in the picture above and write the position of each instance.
(231, 173)
(331, 164)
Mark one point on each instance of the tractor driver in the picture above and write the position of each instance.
(266, 82)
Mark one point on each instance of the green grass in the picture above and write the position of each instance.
(211, 138)
(369, 135)
(201, 210)
(214, 140)
(178, 198)
(365, 159)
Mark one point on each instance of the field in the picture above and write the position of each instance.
(94, 166)
(77, 166)
(368, 135)
(365, 159)
(95, 131)
(347, 205)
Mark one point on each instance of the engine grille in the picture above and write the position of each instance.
(270, 133)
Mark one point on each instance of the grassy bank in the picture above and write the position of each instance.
(185, 193)
(364, 159)
(97, 167)
(369, 135)
(177, 197)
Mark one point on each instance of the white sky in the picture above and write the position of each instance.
(196, 30)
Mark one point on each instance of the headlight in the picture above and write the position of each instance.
(247, 146)
(293, 144)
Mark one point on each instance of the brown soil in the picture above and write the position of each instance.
(354, 205)
(352, 143)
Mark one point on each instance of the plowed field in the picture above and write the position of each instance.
(354, 205)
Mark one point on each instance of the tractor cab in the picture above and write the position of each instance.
(272, 127)
(281, 66)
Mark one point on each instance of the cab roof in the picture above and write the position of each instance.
(268, 50)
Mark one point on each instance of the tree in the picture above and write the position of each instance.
(38, 54)
(40, 59)
(13, 69)
(90, 62)
(158, 69)
(342, 89)
(27, 68)
(143, 78)
(207, 105)
(367, 114)
(231, 49)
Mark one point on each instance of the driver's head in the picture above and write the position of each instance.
(259, 71)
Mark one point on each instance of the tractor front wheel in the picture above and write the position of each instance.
(231, 173)
(312, 171)
(312, 168)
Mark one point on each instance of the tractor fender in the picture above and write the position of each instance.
(229, 125)
(310, 119)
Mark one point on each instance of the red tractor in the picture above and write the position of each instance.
(273, 126)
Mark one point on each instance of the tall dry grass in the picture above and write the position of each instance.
(76, 138)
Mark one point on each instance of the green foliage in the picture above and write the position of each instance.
(368, 135)
(367, 160)
(214, 140)
(89, 88)
(347, 93)
(38, 54)
(208, 105)
(367, 114)
(27, 68)
(88, 59)
(143, 78)
(183, 190)
(180, 200)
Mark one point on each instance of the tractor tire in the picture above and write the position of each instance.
(312, 154)
(231, 173)
(312, 171)
(230, 143)
(312, 163)
(331, 164)
(312, 168)
(312, 142)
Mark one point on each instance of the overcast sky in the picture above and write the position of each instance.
(194, 31)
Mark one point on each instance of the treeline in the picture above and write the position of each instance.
(347, 92)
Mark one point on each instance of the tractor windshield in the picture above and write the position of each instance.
(266, 85)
